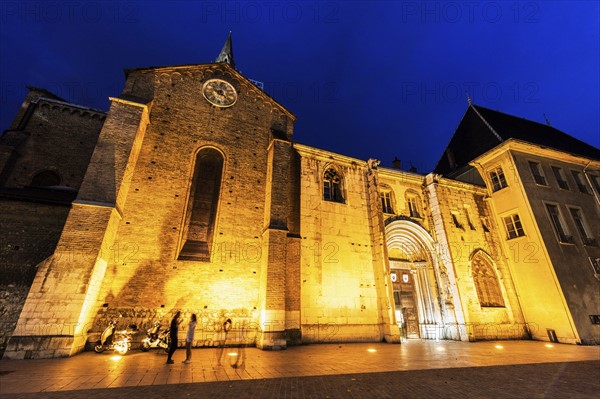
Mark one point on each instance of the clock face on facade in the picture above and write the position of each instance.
(219, 93)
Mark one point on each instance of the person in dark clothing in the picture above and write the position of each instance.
(173, 332)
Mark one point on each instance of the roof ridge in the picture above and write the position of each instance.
(487, 123)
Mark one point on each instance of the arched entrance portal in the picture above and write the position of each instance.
(415, 279)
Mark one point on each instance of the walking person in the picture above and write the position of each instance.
(227, 324)
(174, 332)
(189, 339)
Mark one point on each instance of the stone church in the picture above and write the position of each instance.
(190, 194)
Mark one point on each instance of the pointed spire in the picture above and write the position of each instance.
(226, 54)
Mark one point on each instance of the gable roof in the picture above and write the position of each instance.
(482, 129)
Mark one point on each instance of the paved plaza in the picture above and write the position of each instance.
(428, 369)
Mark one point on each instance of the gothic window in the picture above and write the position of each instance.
(579, 181)
(486, 282)
(413, 204)
(386, 199)
(538, 174)
(332, 186)
(498, 179)
(513, 225)
(201, 210)
(558, 224)
(46, 178)
(560, 177)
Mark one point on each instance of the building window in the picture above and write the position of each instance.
(46, 178)
(582, 226)
(332, 186)
(486, 282)
(538, 174)
(579, 181)
(560, 177)
(558, 224)
(413, 205)
(484, 225)
(513, 225)
(456, 222)
(386, 202)
(201, 211)
(471, 225)
(596, 182)
(498, 180)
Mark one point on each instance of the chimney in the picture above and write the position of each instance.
(396, 163)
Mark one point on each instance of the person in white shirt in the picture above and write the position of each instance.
(189, 339)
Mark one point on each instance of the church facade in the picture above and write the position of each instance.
(190, 194)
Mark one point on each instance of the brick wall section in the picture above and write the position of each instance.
(56, 315)
(53, 129)
(30, 232)
(12, 298)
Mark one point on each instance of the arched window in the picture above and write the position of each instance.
(486, 282)
(332, 186)
(413, 204)
(46, 178)
(201, 210)
(387, 198)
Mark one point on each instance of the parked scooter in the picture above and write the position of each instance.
(119, 341)
(156, 338)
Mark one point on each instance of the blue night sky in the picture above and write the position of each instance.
(365, 79)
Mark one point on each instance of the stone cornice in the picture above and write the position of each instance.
(533, 149)
(73, 108)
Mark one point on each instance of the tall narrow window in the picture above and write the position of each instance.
(413, 204)
(456, 222)
(486, 282)
(386, 199)
(513, 225)
(579, 181)
(471, 225)
(498, 180)
(201, 211)
(332, 186)
(582, 227)
(538, 174)
(558, 224)
(560, 177)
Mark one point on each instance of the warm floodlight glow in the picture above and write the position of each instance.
(549, 346)
(371, 350)
(232, 354)
(499, 347)
(116, 358)
(440, 348)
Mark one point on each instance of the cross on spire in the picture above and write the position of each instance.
(226, 54)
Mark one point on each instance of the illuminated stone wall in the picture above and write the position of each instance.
(339, 297)
(460, 213)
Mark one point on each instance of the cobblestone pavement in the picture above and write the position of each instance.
(446, 369)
